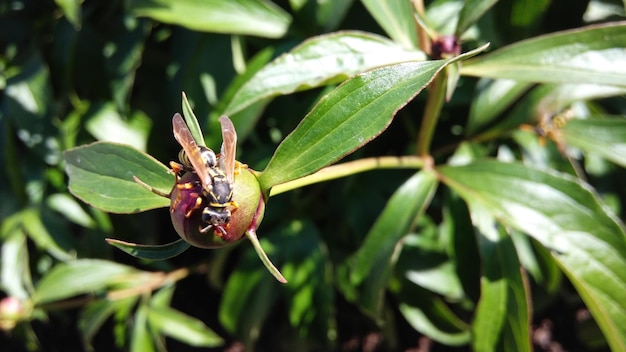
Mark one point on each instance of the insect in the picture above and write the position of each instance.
(216, 175)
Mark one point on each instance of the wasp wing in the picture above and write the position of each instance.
(229, 148)
(185, 139)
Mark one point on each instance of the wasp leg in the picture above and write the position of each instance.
(233, 204)
(187, 186)
(238, 167)
(176, 168)
(196, 206)
(150, 188)
(218, 231)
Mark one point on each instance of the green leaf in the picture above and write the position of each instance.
(192, 122)
(71, 209)
(106, 124)
(492, 98)
(605, 137)
(78, 277)
(471, 12)
(309, 293)
(320, 61)
(141, 338)
(72, 11)
(348, 118)
(369, 269)
(29, 104)
(564, 215)
(429, 314)
(248, 297)
(96, 314)
(101, 174)
(546, 100)
(246, 17)
(396, 18)
(15, 279)
(182, 327)
(593, 54)
(502, 320)
(151, 252)
(32, 221)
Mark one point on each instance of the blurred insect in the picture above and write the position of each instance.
(216, 175)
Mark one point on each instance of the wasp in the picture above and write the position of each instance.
(216, 174)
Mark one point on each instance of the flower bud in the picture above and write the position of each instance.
(188, 202)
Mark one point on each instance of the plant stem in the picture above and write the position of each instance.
(251, 234)
(351, 168)
(436, 96)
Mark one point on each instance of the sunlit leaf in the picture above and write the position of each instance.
(563, 214)
(492, 98)
(502, 320)
(72, 11)
(248, 17)
(78, 277)
(605, 137)
(396, 18)
(594, 54)
(431, 316)
(369, 269)
(101, 174)
(106, 124)
(472, 11)
(182, 327)
(348, 118)
(96, 314)
(141, 339)
(319, 61)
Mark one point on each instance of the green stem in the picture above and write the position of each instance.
(434, 103)
(251, 234)
(351, 168)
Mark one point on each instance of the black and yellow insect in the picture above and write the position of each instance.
(216, 174)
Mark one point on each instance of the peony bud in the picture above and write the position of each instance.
(187, 204)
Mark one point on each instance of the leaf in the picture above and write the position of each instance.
(492, 98)
(96, 314)
(15, 279)
(605, 137)
(369, 269)
(593, 54)
(192, 122)
(182, 327)
(43, 234)
(244, 17)
(396, 18)
(320, 61)
(429, 314)
(71, 209)
(248, 298)
(547, 99)
(151, 252)
(471, 12)
(72, 11)
(78, 277)
(106, 124)
(29, 104)
(348, 118)
(101, 174)
(141, 338)
(250, 292)
(502, 320)
(565, 216)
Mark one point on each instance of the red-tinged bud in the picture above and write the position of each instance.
(188, 203)
(11, 311)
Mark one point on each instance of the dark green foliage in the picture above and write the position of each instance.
(472, 202)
